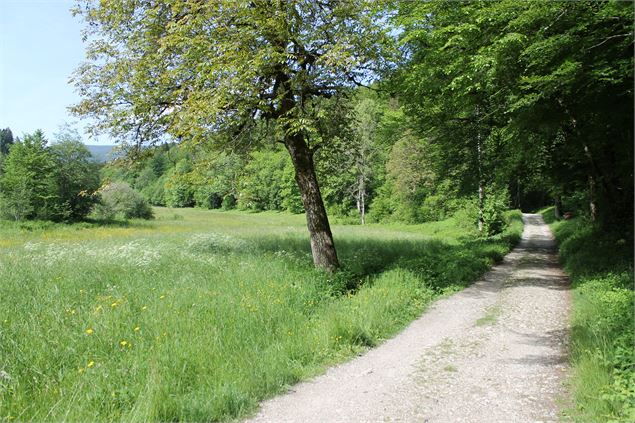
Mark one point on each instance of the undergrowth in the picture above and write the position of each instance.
(599, 262)
(199, 316)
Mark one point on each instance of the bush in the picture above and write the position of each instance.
(119, 200)
(494, 208)
(229, 202)
(178, 191)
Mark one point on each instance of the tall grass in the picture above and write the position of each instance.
(199, 315)
(600, 264)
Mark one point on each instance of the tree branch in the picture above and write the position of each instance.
(607, 40)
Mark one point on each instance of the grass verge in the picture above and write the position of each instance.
(199, 315)
(600, 265)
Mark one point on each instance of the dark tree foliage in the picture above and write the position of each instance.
(6, 140)
(536, 95)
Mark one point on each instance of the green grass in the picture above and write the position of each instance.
(198, 315)
(490, 317)
(600, 264)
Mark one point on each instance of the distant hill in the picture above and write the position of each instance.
(101, 153)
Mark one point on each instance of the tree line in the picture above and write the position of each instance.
(59, 181)
(406, 111)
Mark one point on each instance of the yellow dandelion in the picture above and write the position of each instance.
(89, 331)
(162, 297)
(90, 364)
(136, 329)
(123, 343)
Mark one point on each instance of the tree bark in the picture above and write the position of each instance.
(593, 209)
(481, 204)
(558, 207)
(361, 198)
(481, 184)
(322, 245)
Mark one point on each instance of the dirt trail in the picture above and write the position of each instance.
(495, 352)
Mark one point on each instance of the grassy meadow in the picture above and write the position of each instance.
(600, 264)
(198, 315)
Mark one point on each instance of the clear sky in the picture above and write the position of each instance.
(40, 46)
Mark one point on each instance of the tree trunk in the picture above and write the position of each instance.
(363, 208)
(558, 207)
(322, 245)
(361, 198)
(481, 204)
(481, 184)
(593, 209)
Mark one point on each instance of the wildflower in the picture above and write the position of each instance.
(89, 331)
(123, 343)
(90, 364)
(144, 307)
(136, 329)
(162, 297)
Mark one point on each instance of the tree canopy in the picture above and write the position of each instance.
(535, 95)
(192, 69)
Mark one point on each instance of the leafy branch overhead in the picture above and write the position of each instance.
(190, 68)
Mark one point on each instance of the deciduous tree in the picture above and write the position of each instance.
(188, 68)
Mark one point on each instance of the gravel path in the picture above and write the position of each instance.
(495, 352)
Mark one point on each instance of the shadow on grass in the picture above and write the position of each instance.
(437, 264)
(118, 223)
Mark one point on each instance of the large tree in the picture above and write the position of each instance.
(27, 186)
(189, 68)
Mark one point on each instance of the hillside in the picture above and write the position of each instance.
(101, 153)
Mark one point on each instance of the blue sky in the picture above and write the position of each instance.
(40, 46)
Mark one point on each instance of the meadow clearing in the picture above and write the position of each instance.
(198, 315)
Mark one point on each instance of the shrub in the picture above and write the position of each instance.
(229, 202)
(178, 191)
(494, 208)
(119, 200)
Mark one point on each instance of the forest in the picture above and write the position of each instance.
(383, 114)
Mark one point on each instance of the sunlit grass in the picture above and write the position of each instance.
(198, 315)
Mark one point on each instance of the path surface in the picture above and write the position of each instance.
(495, 352)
